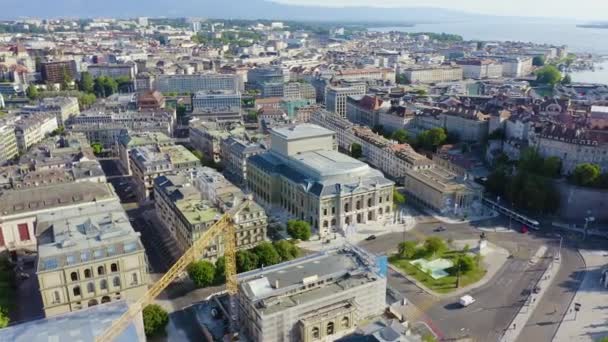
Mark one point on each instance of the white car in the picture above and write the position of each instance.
(466, 300)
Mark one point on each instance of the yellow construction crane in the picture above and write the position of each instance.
(224, 226)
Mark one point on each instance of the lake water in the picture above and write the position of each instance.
(550, 31)
(600, 75)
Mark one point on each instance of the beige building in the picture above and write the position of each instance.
(317, 298)
(149, 162)
(32, 129)
(444, 191)
(433, 74)
(306, 177)
(336, 97)
(8, 143)
(19, 209)
(187, 212)
(128, 141)
(87, 257)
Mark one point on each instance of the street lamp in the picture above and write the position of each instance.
(588, 219)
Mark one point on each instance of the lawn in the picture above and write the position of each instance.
(444, 285)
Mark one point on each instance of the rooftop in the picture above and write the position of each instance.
(301, 131)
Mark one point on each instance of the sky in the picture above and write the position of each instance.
(579, 9)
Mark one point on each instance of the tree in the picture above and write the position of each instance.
(530, 161)
(408, 249)
(97, 147)
(32, 92)
(538, 61)
(463, 265)
(220, 271)
(548, 74)
(567, 79)
(435, 246)
(87, 83)
(432, 138)
(266, 253)
(202, 273)
(299, 229)
(586, 174)
(552, 167)
(400, 136)
(155, 320)
(398, 198)
(86, 100)
(180, 111)
(356, 150)
(287, 250)
(421, 92)
(378, 129)
(246, 261)
(66, 79)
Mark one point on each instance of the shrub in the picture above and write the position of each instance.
(155, 320)
(202, 273)
(299, 230)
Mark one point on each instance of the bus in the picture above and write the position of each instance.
(528, 222)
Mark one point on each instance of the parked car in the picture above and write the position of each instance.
(370, 238)
(440, 229)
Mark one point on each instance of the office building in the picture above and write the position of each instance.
(88, 257)
(299, 90)
(216, 100)
(55, 72)
(480, 68)
(194, 83)
(320, 297)
(128, 70)
(305, 176)
(336, 97)
(257, 77)
(380, 76)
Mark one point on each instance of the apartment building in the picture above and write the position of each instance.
(336, 97)
(433, 74)
(62, 107)
(330, 294)
(54, 72)
(465, 123)
(235, 154)
(364, 110)
(207, 137)
(149, 162)
(32, 129)
(187, 212)
(128, 141)
(370, 75)
(88, 257)
(8, 143)
(306, 177)
(299, 90)
(516, 66)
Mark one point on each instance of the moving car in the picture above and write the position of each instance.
(370, 238)
(440, 229)
(466, 301)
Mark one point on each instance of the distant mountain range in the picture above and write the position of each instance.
(225, 9)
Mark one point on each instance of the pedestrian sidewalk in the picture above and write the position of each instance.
(457, 220)
(525, 312)
(590, 323)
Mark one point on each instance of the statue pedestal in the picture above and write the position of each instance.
(483, 247)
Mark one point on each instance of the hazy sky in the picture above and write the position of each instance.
(581, 9)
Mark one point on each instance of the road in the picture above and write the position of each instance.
(498, 301)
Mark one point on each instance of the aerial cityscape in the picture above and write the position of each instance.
(300, 170)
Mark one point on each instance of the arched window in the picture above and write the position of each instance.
(358, 218)
(388, 209)
(369, 202)
(134, 279)
(90, 287)
(315, 332)
(116, 281)
(101, 270)
(103, 284)
(333, 222)
(105, 299)
(346, 207)
(56, 297)
(369, 215)
(380, 211)
(344, 322)
(330, 328)
(325, 224)
(87, 273)
(358, 205)
(76, 290)
(74, 276)
(114, 267)
(92, 302)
